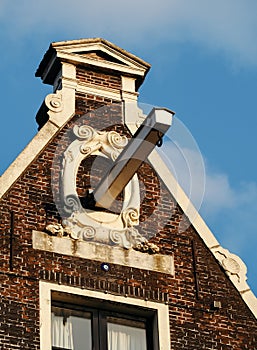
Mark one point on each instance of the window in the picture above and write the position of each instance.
(87, 308)
(76, 327)
(70, 329)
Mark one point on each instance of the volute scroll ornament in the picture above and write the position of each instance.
(117, 229)
(54, 102)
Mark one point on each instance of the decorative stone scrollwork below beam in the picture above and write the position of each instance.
(84, 223)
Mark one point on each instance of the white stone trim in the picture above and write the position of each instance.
(98, 44)
(103, 253)
(250, 300)
(31, 151)
(128, 84)
(77, 59)
(27, 156)
(72, 52)
(66, 95)
(133, 115)
(101, 91)
(129, 93)
(46, 288)
(61, 108)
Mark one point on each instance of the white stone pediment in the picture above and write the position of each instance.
(102, 49)
(95, 52)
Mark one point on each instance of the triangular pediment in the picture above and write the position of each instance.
(100, 56)
(91, 52)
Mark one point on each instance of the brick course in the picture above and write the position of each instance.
(96, 78)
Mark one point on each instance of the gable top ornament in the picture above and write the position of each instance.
(96, 52)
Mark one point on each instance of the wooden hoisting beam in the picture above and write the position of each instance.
(148, 135)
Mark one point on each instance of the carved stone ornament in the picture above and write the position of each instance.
(54, 102)
(233, 266)
(94, 225)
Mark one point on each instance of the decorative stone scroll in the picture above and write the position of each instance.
(118, 229)
(234, 267)
(54, 102)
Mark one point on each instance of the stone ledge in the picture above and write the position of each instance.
(103, 253)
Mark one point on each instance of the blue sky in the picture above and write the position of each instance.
(204, 67)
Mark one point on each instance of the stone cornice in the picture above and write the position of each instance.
(92, 44)
(102, 252)
(75, 52)
(114, 94)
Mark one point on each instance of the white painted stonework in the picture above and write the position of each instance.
(99, 226)
(61, 109)
(102, 252)
(233, 265)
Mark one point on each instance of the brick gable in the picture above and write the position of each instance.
(198, 280)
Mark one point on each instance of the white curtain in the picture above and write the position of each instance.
(62, 332)
(122, 337)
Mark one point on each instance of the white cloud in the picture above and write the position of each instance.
(220, 195)
(228, 26)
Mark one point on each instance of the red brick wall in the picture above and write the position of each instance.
(96, 78)
(193, 324)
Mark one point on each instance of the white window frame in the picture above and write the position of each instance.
(46, 289)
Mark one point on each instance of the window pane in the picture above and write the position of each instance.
(123, 337)
(70, 331)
